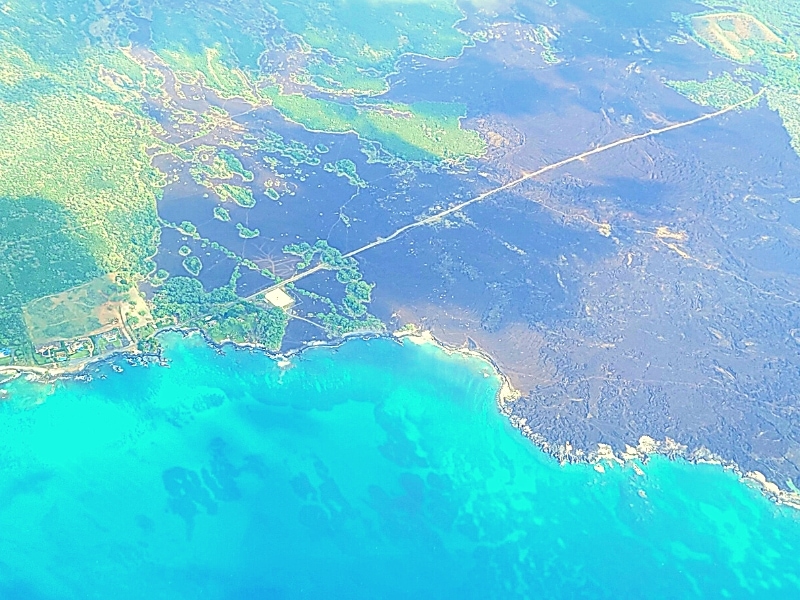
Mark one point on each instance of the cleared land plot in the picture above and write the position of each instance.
(729, 34)
(88, 309)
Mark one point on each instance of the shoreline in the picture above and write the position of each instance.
(645, 448)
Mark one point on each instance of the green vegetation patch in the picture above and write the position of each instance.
(157, 280)
(42, 248)
(235, 165)
(346, 168)
(217, 43)
(228, 82)
(342, 76)
(351, 315)
(375, 153)
(543, 36)
(366, 38)
(222, 214)
(246, 233)
(183, 299)
(295, 152)
(188, 228)
(246, 322)
(240, 195)
(89, 157)
(193, 265)
(14, 341)
(328, 255)
(219, 313)
(209, 162)
(424, 131)
(718, 92)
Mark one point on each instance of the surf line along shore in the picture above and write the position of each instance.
(512, 184)
(633, 457)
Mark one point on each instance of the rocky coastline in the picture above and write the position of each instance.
(601, 457)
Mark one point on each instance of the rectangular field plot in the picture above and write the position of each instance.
(103, 304)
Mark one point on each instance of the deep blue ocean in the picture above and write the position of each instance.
(377, 469)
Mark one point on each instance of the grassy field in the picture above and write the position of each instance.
(99, 305)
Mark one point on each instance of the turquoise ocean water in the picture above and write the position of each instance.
(373, 470)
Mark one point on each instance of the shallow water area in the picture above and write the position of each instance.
(375, 469)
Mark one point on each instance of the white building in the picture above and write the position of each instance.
(279, 298)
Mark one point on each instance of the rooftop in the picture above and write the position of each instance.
(279, 298)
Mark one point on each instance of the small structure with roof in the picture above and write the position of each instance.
(279, 298)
